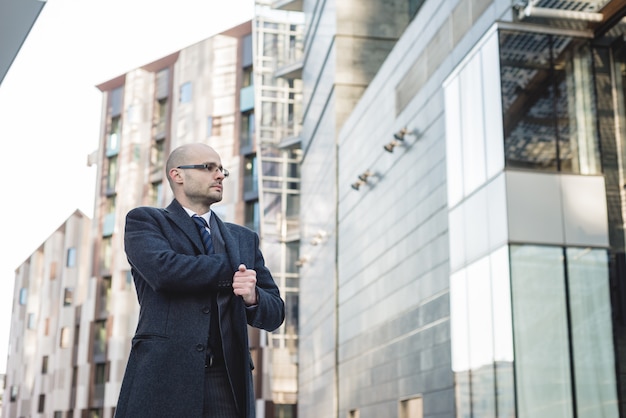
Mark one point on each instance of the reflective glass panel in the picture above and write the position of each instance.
(481, 339)
(502, 332)
(592, 335)
(542, 360)
(472, 125)
(459, 330)
(454, 151)
(548, 103)
(492, 102)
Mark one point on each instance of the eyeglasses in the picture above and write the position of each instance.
(211, 168)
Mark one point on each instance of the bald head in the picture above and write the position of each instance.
(184, 155)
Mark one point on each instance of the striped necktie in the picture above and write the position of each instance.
(206, 236)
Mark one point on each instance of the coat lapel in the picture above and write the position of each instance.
(183, 221)
(224, 241)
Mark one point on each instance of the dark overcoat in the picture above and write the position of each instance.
(175, 281)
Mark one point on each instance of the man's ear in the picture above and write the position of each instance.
(175, 175)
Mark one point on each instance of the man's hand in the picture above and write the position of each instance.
(244, 285)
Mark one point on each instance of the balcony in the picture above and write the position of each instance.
(288, 5)
(292, 70)
(246, 98)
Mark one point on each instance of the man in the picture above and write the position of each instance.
(190, 355)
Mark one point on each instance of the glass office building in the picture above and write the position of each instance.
(530, 298)
(477, 229)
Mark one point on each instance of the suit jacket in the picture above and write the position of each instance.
(175, 282)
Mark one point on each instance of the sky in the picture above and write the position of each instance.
(50, 108)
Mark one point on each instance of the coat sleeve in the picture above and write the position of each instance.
(269, 312)
(165, 259)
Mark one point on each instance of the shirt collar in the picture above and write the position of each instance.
(206, 216)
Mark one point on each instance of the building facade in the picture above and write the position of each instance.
(470, 185)
(49, 367)
(439, 191)
(206, 93)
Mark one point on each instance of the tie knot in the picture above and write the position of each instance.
(200, 221)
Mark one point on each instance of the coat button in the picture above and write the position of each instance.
(206, 309)
(199, 347)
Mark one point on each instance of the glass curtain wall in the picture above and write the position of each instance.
(548, 103)
(531, 326)
(564, 361)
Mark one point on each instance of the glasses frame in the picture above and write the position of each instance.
(210, 167)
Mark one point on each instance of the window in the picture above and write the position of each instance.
(100, 374)
(68, 296)
(162, 83)
(247, 130)
(109, 205)
(160, 118)
(99, 337)
(216, 126)
(65, 338)
(548, 103)
(116, 96)
(14, 392)
(71, 257)
(246, 50)
(157, 155)
(44, 365)
(107, 252)
(113, 140)
(185, 92)
(248, 77)
(99, 380)
(58, 414)
(285, 410)
(561, 317)
(111, 174)
(23, 296)
(209, 126)
(31, 321)
(250, 175)
(156, 193)
(252, 220)
(292, 300)
(74, 376)
(76, 335)
(104, 294)
(95, 413)
(354, 413)
(41, 406)
(411, 408)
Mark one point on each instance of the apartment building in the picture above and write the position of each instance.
(206, 92)
(50, 370)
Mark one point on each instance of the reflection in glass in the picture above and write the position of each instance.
(502, 332)
(472, 125)
(481, 339)
(592, 336)
(481, 336)
(548, 103)
(542, 359)
(454, 151)
(459, 335)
